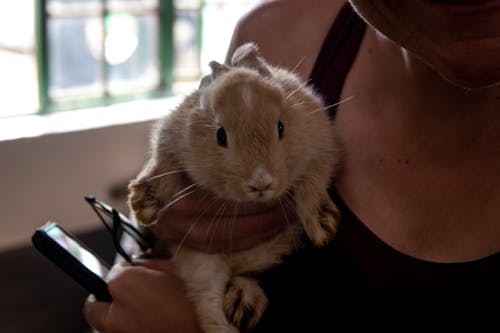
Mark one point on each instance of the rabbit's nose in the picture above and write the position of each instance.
(260, 181)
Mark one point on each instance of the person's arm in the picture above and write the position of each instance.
(198, 221)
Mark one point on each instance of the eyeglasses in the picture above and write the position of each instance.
(118, 225)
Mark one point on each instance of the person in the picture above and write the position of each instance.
(419, 190)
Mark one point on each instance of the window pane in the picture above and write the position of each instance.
(186, 4)
(75, 50)
(52, 2)
(73, 7)
(219, 19)
(18, 79)
(186, 44)
(132, 52)
(132, 5)
(18, 84)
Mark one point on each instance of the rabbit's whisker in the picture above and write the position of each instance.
(332, 105)
(297, 89)
(187, 188)
(191, 227)
(215, 222)
(179, 198)
(298, 64)
(164, 174)
(232, 223)
(296, 104)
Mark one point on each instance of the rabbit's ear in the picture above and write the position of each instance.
(217, 68)
(205, 81)
(248, 55)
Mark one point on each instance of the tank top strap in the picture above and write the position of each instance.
(337, 55)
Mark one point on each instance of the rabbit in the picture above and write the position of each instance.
(250, 132)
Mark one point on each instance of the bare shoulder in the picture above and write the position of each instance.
(288, 32)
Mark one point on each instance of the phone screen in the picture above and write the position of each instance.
(76, 250)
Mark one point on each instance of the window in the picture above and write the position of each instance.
(68, 54)
(100, 51)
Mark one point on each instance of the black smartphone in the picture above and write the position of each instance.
(74, 258)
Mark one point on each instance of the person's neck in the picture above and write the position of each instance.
(412, 95)
(406, 75)
(421, 156)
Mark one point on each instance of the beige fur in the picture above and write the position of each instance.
(248, 99)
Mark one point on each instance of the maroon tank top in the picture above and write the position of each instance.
(358, 282)
(337, 55)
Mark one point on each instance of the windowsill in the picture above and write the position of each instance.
(60, 122)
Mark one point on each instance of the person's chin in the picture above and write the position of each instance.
(470, 64)
(473, 79)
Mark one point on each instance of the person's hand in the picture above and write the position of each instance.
(203, 222)
(147, 297)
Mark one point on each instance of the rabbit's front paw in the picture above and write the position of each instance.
(244, 303)
(143, 201)
(324, 227)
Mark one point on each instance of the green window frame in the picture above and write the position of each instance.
(165, 15)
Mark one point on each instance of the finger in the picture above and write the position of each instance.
(116, 270)
(96, 314)
(90, 299)
(155, 264)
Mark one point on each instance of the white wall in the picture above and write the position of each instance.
(45, 178)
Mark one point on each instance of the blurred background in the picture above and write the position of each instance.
(81, 82)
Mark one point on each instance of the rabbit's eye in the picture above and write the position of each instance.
(281, 129)
(221, 137)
